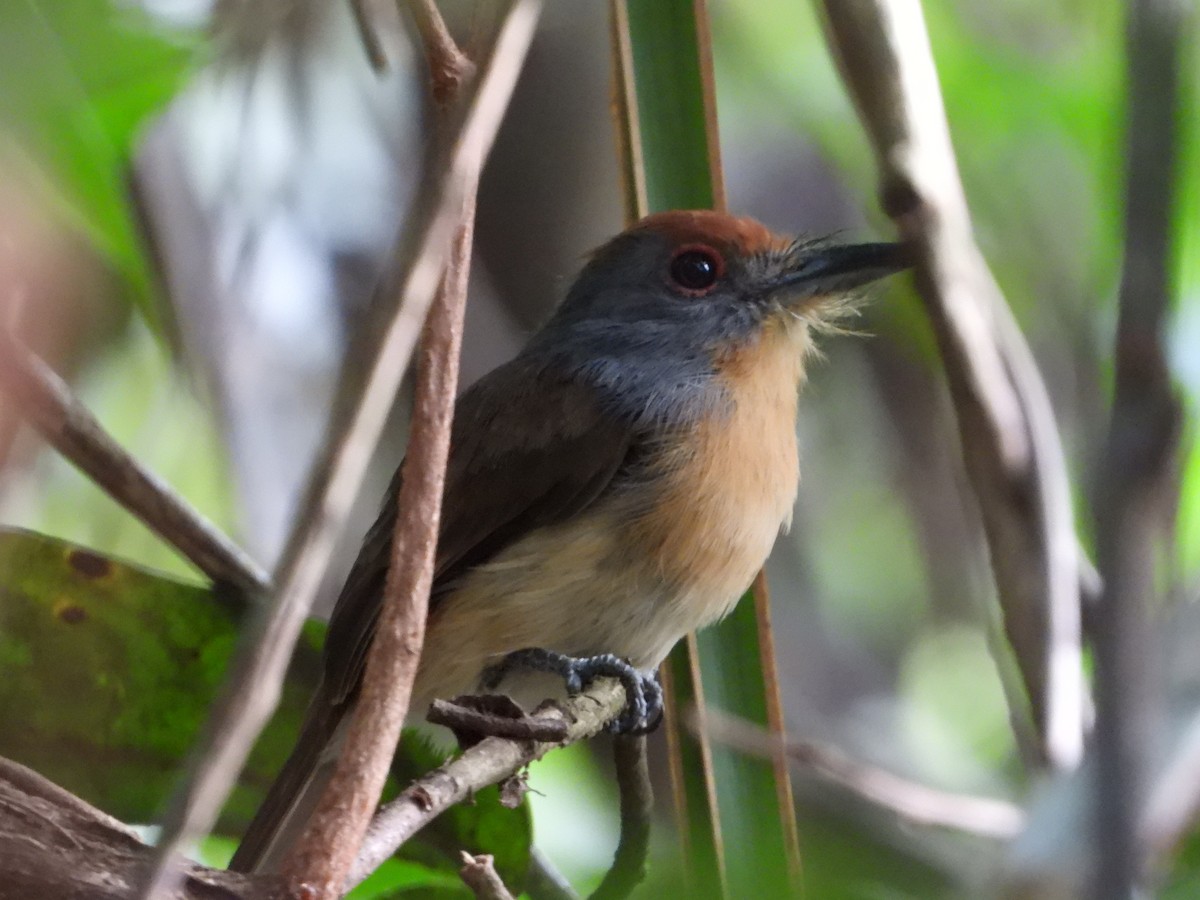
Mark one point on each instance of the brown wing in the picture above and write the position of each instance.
(526, 450)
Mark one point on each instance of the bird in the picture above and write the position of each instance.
(615, 486)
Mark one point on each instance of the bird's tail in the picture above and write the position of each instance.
(295, 791)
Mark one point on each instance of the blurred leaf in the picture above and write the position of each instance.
(109, 670)
(78, 78)
(106, 674)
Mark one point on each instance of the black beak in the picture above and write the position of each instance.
(828, 270)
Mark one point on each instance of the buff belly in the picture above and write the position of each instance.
(633, 579)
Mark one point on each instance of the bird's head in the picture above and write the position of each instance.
(660, 302)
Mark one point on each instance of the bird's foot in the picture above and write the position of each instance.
(643, 696)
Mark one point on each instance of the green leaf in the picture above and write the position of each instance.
(107, 671)
(756, 833)
(79, 77)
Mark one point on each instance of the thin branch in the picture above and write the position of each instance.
(252, 691)
(489, 762)
(1136, 491)
(464, 720)
(479, 874)
(323, 856)
(449, 67)
(66, 424)
(1173, 803)
(368, 34)
(1011, 445)
(544, 882)
(911, 801)
(637, 804)
(775, 724)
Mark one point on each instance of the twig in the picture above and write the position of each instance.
(544, 882)
(1173, 803)
(74, 432)
(1011, 446)
(251, 693)
(449, 67)
(914, 803)
(479, 874)
(1135, 491)
(489, 762)
(637, 804)
(463, 719)
(368, 34)
(322, 857)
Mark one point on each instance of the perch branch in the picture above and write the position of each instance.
(1010, 443)
(489, 762)
(252, 691)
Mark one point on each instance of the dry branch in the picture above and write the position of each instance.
(52, 844)
(479, 874)
(911, 801)
(1011, 445)
(325, 852)
(252, 691)
(489, 762)
(68, 426)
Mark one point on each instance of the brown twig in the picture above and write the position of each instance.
(489, 762)
(252, 691)
(368, 34)
(914, 803)
(1010, 443)
(1136, 492)
(479, 874)
(449, 67)
(325, 853)
(66, 424)
(637, 804)
(464, 719)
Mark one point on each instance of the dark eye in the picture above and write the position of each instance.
(696, 269)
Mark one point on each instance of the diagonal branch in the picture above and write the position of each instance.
(323, 856)
(1010, 442)
(252, 690)
(73, 431)
(912, 802)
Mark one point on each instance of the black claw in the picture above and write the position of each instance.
(643, 696)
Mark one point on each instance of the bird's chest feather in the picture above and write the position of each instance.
(729, 487)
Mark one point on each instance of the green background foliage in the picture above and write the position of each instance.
(106, 676)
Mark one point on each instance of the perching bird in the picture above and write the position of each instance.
(615, 486)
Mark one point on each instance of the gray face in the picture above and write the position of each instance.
(649, 313)
(644, 341)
